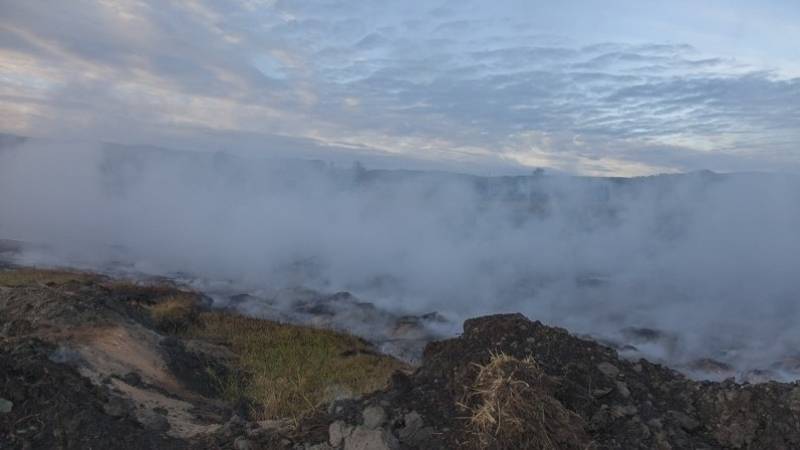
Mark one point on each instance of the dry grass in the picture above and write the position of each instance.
(175, 313)
(32, 276)
(294, 369)
(511, 406)
(136, 290)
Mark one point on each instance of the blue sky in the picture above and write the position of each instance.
(588, 87)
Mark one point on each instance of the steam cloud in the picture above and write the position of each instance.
(711, 258)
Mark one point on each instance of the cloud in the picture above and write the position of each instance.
(457, 75)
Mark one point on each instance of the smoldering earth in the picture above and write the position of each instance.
(675, 268)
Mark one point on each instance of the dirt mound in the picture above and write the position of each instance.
(600, 400)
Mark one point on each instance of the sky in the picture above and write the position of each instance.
(619, 88)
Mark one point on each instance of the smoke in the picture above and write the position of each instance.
(711, 259)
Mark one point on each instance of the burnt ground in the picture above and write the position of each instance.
(83, 366)
(56, 407)
(85, 363)
(620, 404)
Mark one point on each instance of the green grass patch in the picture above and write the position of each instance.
(32, 276)
(293, 369)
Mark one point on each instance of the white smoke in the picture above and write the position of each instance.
(711, 258)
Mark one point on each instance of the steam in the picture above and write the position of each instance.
(712, 259)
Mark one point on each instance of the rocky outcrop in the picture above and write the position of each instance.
(611, 402)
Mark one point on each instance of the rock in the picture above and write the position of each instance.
(132, 378)
(337, 432)
(374, 416)
(153, 421)
(6, 406)
(601, 392)
(117, 407)
(414, 432)
(618, 411)
(623, 390)
(683, 420)
(412, 424)
(234, 425)
(655, 423)
(608, 369)
(626, 410)
(242, 443)
(363, 438)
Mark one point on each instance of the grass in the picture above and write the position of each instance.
(32, 276)
(293, 370)
(174, 313)
(511, 406)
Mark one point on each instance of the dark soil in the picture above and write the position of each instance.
(54, 407)
(623, 404)
(45, 402)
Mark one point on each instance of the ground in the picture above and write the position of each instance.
(89, 362)
(153, 363)
(587, 396)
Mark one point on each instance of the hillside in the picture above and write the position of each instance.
(87, 361)
(94, 362)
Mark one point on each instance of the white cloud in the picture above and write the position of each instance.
(429, 81)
